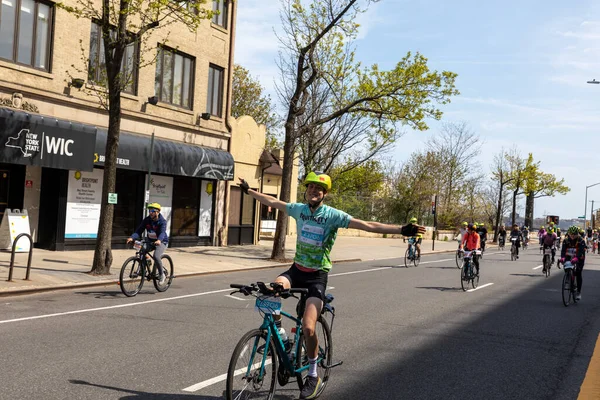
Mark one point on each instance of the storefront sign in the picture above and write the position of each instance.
(161, 192)
(84, 197)
(47, 142)
(28, 184)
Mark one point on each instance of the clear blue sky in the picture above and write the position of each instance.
(522, 70)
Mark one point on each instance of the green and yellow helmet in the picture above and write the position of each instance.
(322, 180)
(573, 230)
(153, 206)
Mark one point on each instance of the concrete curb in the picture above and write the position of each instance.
(34, 290)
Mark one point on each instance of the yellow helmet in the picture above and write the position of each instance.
(322, 180)
(154, 205)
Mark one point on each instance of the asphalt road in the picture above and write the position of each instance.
(402, 333)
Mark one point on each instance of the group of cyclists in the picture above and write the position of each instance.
(573, 248)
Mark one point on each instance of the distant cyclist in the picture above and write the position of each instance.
(573, 249)
(541, 234)
(525, 232)
(482, 232)
(471, 242)
(516, 233)
(502, 236)
(155, 226)
(548, 241)
(418, 237)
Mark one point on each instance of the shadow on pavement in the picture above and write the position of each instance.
(530, 275)
(441, 288)
(526, 345)
(139, 395)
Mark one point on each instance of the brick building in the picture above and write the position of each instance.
(52, 134)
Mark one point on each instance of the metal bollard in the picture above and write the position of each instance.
(12, 257)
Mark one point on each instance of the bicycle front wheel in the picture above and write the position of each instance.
(407, 259)
(167, 263)
(546, 265)
(567, 291)
(325, 355)
(131, 278)
(459, 259)
(244, 377)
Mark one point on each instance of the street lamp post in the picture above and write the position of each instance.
(586, 201)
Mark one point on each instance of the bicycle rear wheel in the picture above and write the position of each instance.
(131, 278)
(567, 292)
(474, 279)
(167, 263)
(325, 355)
(513, 253)
(244, 380)
(546, 265)
(416, 259)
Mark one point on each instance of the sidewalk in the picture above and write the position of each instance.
(60, 270)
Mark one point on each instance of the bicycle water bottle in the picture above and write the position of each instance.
(284, 338)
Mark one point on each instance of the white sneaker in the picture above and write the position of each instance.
(578, 296)
(162, 279)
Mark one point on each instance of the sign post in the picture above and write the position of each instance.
(433, 211)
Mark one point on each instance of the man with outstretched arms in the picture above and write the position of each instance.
(317, 226)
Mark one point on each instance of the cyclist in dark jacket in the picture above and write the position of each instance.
(573, 249)
(516, 233)
(155, 226)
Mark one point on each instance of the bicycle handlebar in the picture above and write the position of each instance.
(274, 289)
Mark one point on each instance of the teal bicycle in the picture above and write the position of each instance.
(262, 359)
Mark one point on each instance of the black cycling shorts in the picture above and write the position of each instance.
(315, 282)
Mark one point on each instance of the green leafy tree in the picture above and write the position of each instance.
(356, 190)
(315, 39)
(540, 184)
(123, 23)
(249, 98)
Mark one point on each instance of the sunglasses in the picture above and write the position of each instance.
(153, 211)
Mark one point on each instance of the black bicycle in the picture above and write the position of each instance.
(547, 261)
(262, 359)
(513, 249)
(467, 273)
(142, 267)
(569, 284)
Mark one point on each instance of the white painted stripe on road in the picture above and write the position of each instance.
(480, 287)
(538, 267)
(235, 298)
(220, 378)
(384, 268)
(112, 307)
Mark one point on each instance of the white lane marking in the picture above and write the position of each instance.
(551, 290)
(384, 268)
(538, 267)
(480, 287)
(111, 307)
(220, 378)
(235, 298)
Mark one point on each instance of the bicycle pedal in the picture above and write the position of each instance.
(333, 365)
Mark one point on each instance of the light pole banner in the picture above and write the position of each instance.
(84, 198)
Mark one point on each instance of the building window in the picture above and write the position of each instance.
(25, 32)
(97, 65)
(174, 78)
(220, 16)
(214, 103)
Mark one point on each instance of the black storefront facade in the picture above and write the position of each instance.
(71, 157)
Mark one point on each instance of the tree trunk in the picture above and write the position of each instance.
(499, 210)
(529, 209)
(278, 252)
(103, 254)
(514, 207)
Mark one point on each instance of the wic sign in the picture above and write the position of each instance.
(35, 140)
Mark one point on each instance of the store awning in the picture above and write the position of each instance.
(32, 139)
(169, 158)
